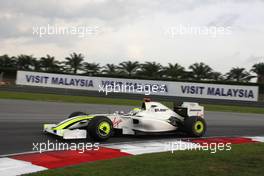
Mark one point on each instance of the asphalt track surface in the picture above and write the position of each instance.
(21, 123)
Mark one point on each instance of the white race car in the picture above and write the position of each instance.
(152, 117)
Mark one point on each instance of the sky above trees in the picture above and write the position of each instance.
(139, 30)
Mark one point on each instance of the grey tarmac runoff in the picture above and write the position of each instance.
(21, 123)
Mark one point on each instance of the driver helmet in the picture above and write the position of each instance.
(136, 110)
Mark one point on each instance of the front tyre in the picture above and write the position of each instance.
(195, 126)
(100, 128)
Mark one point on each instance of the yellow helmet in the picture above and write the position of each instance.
(136, 109)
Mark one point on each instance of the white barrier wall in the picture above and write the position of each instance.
(167, 88)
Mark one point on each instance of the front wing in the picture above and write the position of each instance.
(65, 133)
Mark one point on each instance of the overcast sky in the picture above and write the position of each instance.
(139, 30)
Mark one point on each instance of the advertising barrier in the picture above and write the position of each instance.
(134, 86)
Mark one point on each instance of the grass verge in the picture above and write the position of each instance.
(114, 101)
(242, 160)
(66, 98)
(240, 109)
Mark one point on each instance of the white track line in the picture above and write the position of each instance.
(12, 167)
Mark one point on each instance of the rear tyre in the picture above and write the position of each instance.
(195, 126)
(78, 113)
(100, 128)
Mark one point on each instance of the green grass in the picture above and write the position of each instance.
(114, 101)
(229, 108)
(242, 160)
(66, 98)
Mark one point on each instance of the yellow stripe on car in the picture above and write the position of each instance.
(72, 121)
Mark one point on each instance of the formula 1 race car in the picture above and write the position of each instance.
(152, 117)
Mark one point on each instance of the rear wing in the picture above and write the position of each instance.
(188, 109)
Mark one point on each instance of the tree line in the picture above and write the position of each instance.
(75, 64)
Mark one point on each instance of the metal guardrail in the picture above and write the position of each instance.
(60, 91)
